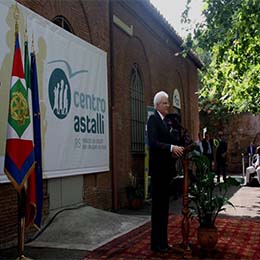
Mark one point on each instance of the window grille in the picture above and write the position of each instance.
(137, 111)
(63, 23)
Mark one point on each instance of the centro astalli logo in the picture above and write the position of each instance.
(59, 93)
(60, 90)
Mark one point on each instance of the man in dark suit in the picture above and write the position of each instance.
(221, 156)
(207, 149)
(161, 151)
(251, 149)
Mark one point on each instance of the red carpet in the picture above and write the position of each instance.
(239, 238)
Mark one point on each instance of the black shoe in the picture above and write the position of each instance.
(160, 249)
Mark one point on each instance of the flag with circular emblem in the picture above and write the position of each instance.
(19, 156)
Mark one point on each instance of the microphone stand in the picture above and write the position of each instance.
(185, 224)
(189, 146)
(185, 210)
(184, 247)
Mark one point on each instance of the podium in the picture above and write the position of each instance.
(184, 248)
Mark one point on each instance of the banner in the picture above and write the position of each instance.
(72, 79)
(19, 156)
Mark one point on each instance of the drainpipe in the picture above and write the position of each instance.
(112, 112)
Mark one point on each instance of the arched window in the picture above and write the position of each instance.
(137, 111)
(63, 23)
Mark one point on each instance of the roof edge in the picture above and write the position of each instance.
(171, 31)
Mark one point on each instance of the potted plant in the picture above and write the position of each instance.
(207, 199)
(134, 192)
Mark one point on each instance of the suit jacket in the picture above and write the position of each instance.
(205, 145)
(251, 149)
(160, 140)
(221, 150)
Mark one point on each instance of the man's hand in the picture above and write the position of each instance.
(177, 151)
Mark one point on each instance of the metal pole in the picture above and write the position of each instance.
(21, 228)
(243, 169)
(243, 165)
(249, 159)
(21, 218)
(185, 210)
(21, 225)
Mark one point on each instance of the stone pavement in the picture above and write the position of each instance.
(246, 201)
(73, 232)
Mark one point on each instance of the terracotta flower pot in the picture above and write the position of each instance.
(207, 237)
(136, 203)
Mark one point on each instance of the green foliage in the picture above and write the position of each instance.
(134, 190)
(228, 42)
(208, 198)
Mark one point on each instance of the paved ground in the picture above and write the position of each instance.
(86, 228)
(246, 201)
(72, 232)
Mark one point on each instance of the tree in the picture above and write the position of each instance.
(228, 42)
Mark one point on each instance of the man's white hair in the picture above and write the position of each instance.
(158, 98)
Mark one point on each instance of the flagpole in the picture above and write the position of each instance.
(21, 225)
(20, 195)
(21, 220)
(37, 138)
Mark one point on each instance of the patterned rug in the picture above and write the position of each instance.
(239, 238)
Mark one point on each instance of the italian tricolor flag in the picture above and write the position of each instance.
(19, 157)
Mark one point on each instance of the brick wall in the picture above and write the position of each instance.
(8, 215)
(153, 49)
(239, 131)
(97, 190)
